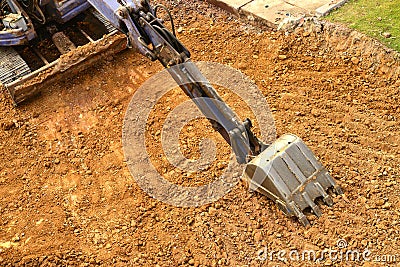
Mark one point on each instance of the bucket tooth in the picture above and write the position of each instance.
(312, 205)
(300, 215)
(303, 220)
(289, 173)
(338, 190)
(327, 199)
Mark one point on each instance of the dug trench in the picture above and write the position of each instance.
(67, 197)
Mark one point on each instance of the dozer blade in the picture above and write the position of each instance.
(288, 173)
(23, 82)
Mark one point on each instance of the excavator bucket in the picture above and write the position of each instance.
(289, 173)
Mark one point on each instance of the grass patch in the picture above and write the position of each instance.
(372, 17)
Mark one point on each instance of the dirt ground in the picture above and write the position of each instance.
(67, 197)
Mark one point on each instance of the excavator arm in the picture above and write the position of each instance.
(286, 171)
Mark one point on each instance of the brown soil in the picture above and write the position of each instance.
(67, 197)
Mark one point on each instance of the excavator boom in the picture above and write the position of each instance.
(286, 171)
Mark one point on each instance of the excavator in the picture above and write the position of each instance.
(77, 33)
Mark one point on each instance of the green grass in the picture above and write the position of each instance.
(372, 17)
